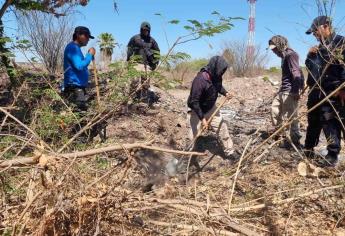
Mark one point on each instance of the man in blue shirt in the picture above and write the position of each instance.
(76, 74)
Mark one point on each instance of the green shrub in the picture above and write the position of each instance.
(274, 70)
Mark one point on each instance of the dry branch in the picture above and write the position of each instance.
(20, 162)
(237, 173)
(189, 209)
(34, 160)
(287, 200)
(244, 208)
(25, 127)
(120, 147)
(25, 210)
(96, 82)
(193, 228)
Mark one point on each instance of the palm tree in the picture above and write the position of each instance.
(107, 44)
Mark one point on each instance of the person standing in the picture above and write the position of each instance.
(76, 73)
(76, 79)
(143, 50)
(330, 57)
(313, 65)
(285, 103)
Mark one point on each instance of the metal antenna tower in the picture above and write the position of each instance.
(251, 30)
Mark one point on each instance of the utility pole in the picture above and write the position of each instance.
(251, 30)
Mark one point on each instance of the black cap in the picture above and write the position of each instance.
(83, 30)
(318, 21)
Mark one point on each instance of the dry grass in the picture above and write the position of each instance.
(128, 192)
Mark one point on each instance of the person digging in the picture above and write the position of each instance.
(285, 103)
(206, 87)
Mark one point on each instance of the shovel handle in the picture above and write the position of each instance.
(96, 82)
(208, 122)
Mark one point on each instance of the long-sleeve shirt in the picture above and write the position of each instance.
(146, 47)
(76, 66)
(313, 64)
(332, 57)
(292, 76)
(204, 94)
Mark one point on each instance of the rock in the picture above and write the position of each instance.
(138, 220)
(314, 196)
(171, 167)
(309, 170)
(302, 169)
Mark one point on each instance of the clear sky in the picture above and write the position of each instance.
(286, 17)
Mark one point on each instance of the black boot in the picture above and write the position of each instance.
(330, 160)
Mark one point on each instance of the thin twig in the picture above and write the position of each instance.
(24, 211)
(26, 127)
(236, 175)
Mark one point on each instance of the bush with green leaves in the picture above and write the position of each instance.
(52, 126)
(120, 76)
(196, 30)
(52, 118)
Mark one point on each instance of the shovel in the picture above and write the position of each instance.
(202, 129)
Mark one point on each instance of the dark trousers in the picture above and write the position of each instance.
(331, 128)
(314, 121)
(77, 96)
(323, 118)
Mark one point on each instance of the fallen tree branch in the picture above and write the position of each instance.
(229, 223)
(120, 147)
(173, 151)
(19, 162)
(34, 160)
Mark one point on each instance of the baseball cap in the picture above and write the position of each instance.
(318, 21)
(83, 30)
